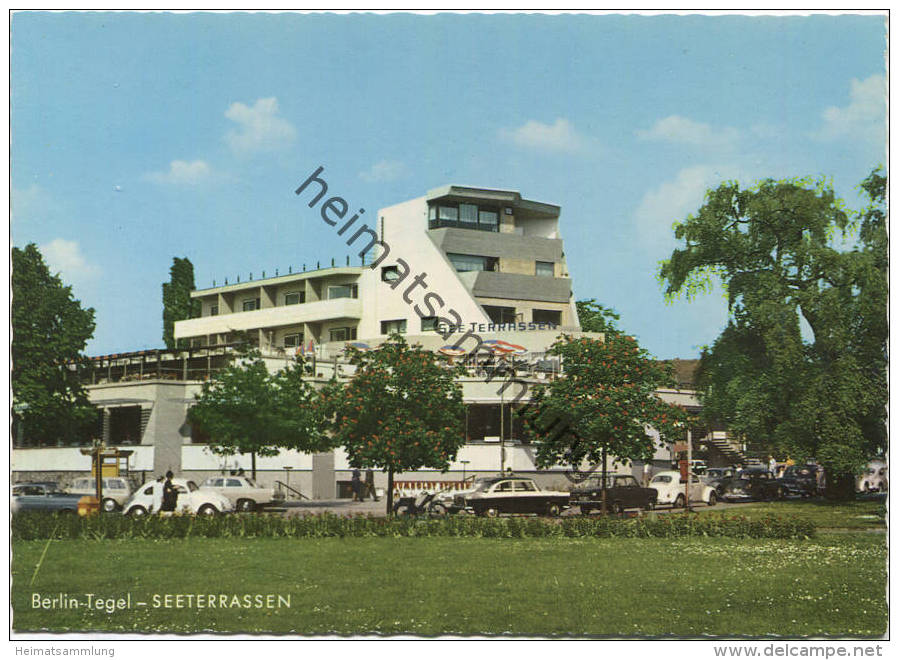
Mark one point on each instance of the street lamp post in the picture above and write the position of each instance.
(464, 463)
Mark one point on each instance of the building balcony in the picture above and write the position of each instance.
(271, 317)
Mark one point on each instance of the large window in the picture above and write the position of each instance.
(390, 327)
(294, 340)
(294, 297)
(500, 314)
(550, 316)
(342, 334)
(343, 291)
(214, 310)
(250, 304)
(429, 324)
(468, 262)
(464, 214)
(546, 269)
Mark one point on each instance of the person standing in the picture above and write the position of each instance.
(370, 484)
(169, 494)
(772, 466)
(356, 485)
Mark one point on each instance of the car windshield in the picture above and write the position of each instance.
(481, 484)
(251, 483)
(662, 479)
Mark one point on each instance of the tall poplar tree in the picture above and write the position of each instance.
(177, 304)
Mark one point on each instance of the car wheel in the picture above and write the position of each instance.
(618, 508)
(437, 510)
(650, 505)
(679, 502)
(137, 512)
(713, 498)
(208, 510)
(491, 512)
(109, 505)
(246, 505)
(402, 511)
(553, 510)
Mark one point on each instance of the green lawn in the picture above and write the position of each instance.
(860, 514)
(831, 585)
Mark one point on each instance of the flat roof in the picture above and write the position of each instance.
(511, 197)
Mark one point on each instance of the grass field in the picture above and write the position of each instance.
(860, 514)
(830, 585)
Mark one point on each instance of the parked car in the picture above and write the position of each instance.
(116, 491)
(802, 480)
(42, 497)
(243, 492)
(874, 478)
(670, 488)
(190, 499)
(622, 492)
(491, 497)
(752, 484)
(714, 476)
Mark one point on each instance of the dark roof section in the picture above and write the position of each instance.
(685, 372)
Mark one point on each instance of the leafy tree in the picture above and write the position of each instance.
(597, 318)
(402, 410)
(50, 330)
(177, 304)
(247, 410)
(603, 405)
(816, 393)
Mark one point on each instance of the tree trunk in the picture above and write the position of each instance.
(389, 491)
(605, 508)
(253, 464)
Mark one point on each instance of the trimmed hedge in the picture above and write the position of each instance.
(31, 525)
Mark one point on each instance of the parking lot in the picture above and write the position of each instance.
(346, 507)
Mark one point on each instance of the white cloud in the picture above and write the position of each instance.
(259, 127)
(863, 118)
(384, 170)
(671, 202)
(65, 257)
(182, 172)
(559, 136)
(686, 131)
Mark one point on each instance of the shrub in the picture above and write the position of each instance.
(31, 525)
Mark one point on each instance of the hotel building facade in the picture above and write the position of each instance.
(459, 266)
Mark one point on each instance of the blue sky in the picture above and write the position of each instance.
(139, 137)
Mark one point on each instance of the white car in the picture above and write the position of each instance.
(670, 487)
(243, 493)
(874, 478)
(191, 499)
(116, 491)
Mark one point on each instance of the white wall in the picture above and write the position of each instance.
(200, 457)
(34, 459)
(405, 231)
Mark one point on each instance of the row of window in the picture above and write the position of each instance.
(465, 216)
(295, 298)
(473, 262)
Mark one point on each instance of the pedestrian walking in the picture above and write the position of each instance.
(772, 466)
(370, 484)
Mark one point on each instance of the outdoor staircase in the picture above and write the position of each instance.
(725, 444)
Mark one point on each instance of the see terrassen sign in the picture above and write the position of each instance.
(445, 328)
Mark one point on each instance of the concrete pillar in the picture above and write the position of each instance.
(324, 485)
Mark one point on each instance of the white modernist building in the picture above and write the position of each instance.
(459, 266)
